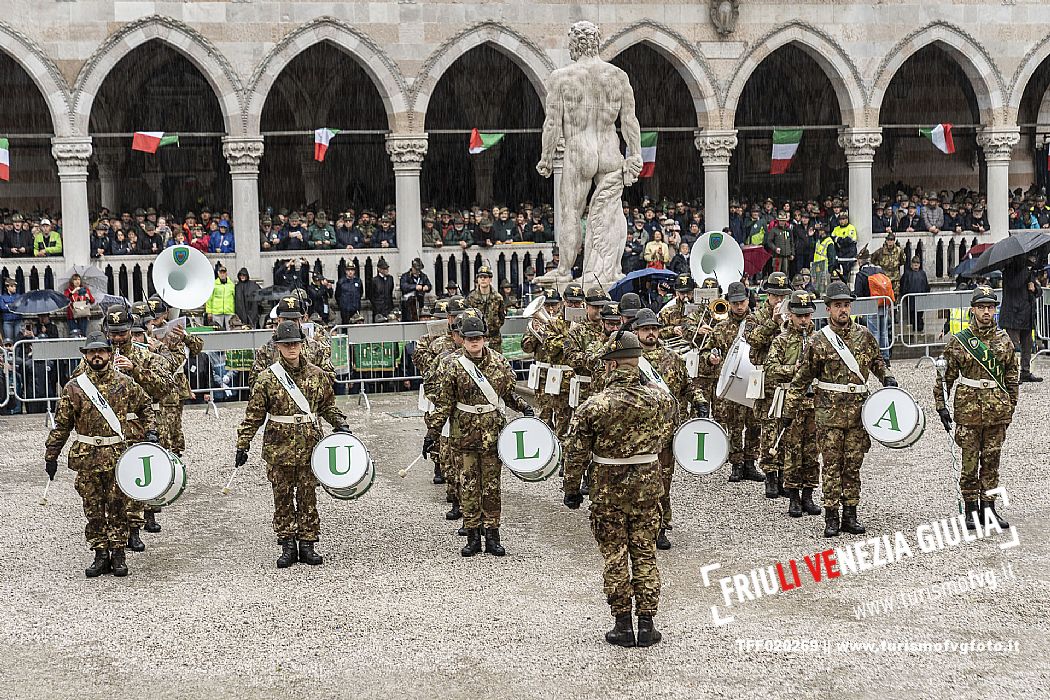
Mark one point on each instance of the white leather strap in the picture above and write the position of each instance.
(99, 441)
(844, 352)
(476, 409)
(479, 378)
(290, 386)
(297, 419)
(652, 375)
(633, 459)
(842, 388)
(100, 403)
(978, 383)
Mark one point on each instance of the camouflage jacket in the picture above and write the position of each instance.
(75, 411)
(891, 261)
(183, 347)
(582, 345)
(671, 315)
(315, 353)
(671, 368)
(975, 406)
(624, 419)
(551, 349)
(785, 358)
(432, 379)
(760, 337)
(492, 310)
(424, 353)
(288, 443)
(151, 371)
(836, 409)
(472, 432)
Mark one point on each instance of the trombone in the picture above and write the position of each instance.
(716, 312)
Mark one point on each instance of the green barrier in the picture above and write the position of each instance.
(240, 360)
(339, 351)
(512, 348)
(377, 357)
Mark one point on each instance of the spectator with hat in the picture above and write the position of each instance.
(10, 319)
(293, 235)
(386, 234)
(933, 216)
(382, 291)
(977, 221)
(221, 238)
(321, 233)
(890, 257)
(348, 294)
(415, 285)
(46, 241)
(845, 235)
(911, 222)
(246, 299)
(222, 303)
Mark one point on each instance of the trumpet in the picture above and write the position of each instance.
(536, 313)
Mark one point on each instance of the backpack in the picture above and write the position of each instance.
(879, 285)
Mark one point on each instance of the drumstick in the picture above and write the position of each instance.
(43, 501)
(226, 488)
(404, 472)
(773, 449)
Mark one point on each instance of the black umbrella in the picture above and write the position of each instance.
(41, 301)
(1015, 245)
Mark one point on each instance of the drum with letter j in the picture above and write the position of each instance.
(529, 449)
(892, 417)
(700, 446)
(149, 473)
(343, 466)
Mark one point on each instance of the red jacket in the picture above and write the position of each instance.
(80, 294)
(200, 244)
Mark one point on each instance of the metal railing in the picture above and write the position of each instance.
(1042, 323)
(950, 313)
(875, 312)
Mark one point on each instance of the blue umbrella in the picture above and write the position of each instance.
(41, 301)
(629, 283)
(965, 268)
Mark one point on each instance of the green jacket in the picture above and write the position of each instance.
(52, 245)
(221, 300)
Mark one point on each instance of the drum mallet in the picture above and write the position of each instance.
(773, 449)
(43, 501)
(226, 488)
(404, 472)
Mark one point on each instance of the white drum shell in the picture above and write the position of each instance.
(539, 439)
(911, 419)
(167, 474)
(736, 374)
(716, 446)
(359, 473)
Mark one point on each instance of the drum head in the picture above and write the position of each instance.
(145, 471)
(892, 417)
(340, 461)
(529, 449)
(700, 446)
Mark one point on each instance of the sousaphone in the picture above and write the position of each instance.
(183, 277)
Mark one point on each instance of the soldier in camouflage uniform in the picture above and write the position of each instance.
(695, 329)
(314, 350)
(890, 257)
(838, 398)
(445, 347)
(672, 315)
(689, 401)
(182, 346)
(546, 342)
(423, 356)
(289, 440)
(985, 399)
(468, 396)
(767, 325)
(586, 336)
(618, 432)
(97, 448)
(489, 302)
(799, 445)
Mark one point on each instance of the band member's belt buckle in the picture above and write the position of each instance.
(98, 441)
(852, 388)
(985, 384)
(479, 409)
(300, 419)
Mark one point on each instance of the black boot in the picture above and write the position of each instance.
(100, 565)
(737, 474)
(795, 507)
(449, 498)
(462, 531)
(473, 545)
(151, 522)
(751, 472)
(117, 563)
(455, 513)
(973, 512)
(990, 506)
(1027, 376)
(850, 523)
(585, 487)
(622, 633)
(808, 506)
(780, 484)
(438, 478)
(661, 539)
(289, 555)
(772, 490)
(831, 522)
(307, 554)
(492, 545)
(648, 635)
(135, 543)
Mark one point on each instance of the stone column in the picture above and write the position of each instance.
(243, 153)
(556, 168)
(998, 143)
(108, 162)
(860, 145)
(716, 150)
(71, 153)
(406, 153)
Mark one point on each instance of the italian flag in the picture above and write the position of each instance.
(482, 142)
(648, 153)
(150, 141)
(941, 136)
(5, 159)
(785, 143)
(322, 137)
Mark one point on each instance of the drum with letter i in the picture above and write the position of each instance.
(700, 446)
(529, 449)
(149, 473)
(892, 417)
(343, 466)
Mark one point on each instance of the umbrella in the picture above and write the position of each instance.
(755, 259)
(1011, 247)
(627, 284)
(41, 301)
(107, 300)
(92, 277)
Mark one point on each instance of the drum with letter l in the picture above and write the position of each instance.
(529, 449)
(149, 473)
(700, 446)
(343, 466)
(892, 417)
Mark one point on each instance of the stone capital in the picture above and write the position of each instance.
(716, 147)
(998, 142)
(406, 151)
(860, 144)
(72, 154)
(243, 153)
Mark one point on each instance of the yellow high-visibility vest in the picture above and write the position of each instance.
(820, 254)
(958, 320)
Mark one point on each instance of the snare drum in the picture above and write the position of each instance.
(343, 466)
(149, 473)
(892, 417)
(529, 449)
(700, 446)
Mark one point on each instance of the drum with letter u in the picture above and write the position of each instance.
(529, 449)
(700, 446)
(343, 466)
(892, 417)
(149, 473)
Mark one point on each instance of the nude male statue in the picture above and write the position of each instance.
(584, 101)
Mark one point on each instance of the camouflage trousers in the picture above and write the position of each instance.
(294, 502)
(479, 488)
(627, 542)
(707, 386)
(799, 447)
(169, 428)
(104, 506)
(842, 450)
(555, 412)
(447, 463)
(739, 422)
(667, 473)
(981, 446)
(768, 431)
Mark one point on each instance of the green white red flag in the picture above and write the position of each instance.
(480, 142)
(322, 137)
(785, 144)
(5, 159)
(941, 137)
(648, 153)
(150, 141)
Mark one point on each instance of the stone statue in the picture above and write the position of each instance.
(724, 14)
(583, 102)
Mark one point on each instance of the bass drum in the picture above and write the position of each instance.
(343, 466)
(149, 473)
(700, 446)
(529, 449)
(736, 374)
(893, 418)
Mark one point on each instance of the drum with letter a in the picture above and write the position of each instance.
(892, 417)
(700, 446)
(343, 466)
(529, 449)
(149, 473)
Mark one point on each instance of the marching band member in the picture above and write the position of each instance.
(291, 396)
(583, 338)
(696, 330)
(444, 347)
(672, 315)
(313, 350)
(421, 359)
(545, 341)
(574, 296)
(489, 302)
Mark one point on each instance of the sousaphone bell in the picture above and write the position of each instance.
(183, 277)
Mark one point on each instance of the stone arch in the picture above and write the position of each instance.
(978, 66)
(836, 64)
(532, 60)
(44, 73)
(187, 41)
(1035, 58)
(690, 64)
(376, 63)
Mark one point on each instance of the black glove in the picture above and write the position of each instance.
(703, 411)
(51, 467)
(345, 429)
(889, 381)
(573, 500)
(242, 458)
(527, 411)
(946, 418)
(151, 436)
(430, 444)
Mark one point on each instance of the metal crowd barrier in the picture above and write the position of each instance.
(7, 377)
(950, 313)
(874, 312)
(1042, 323)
